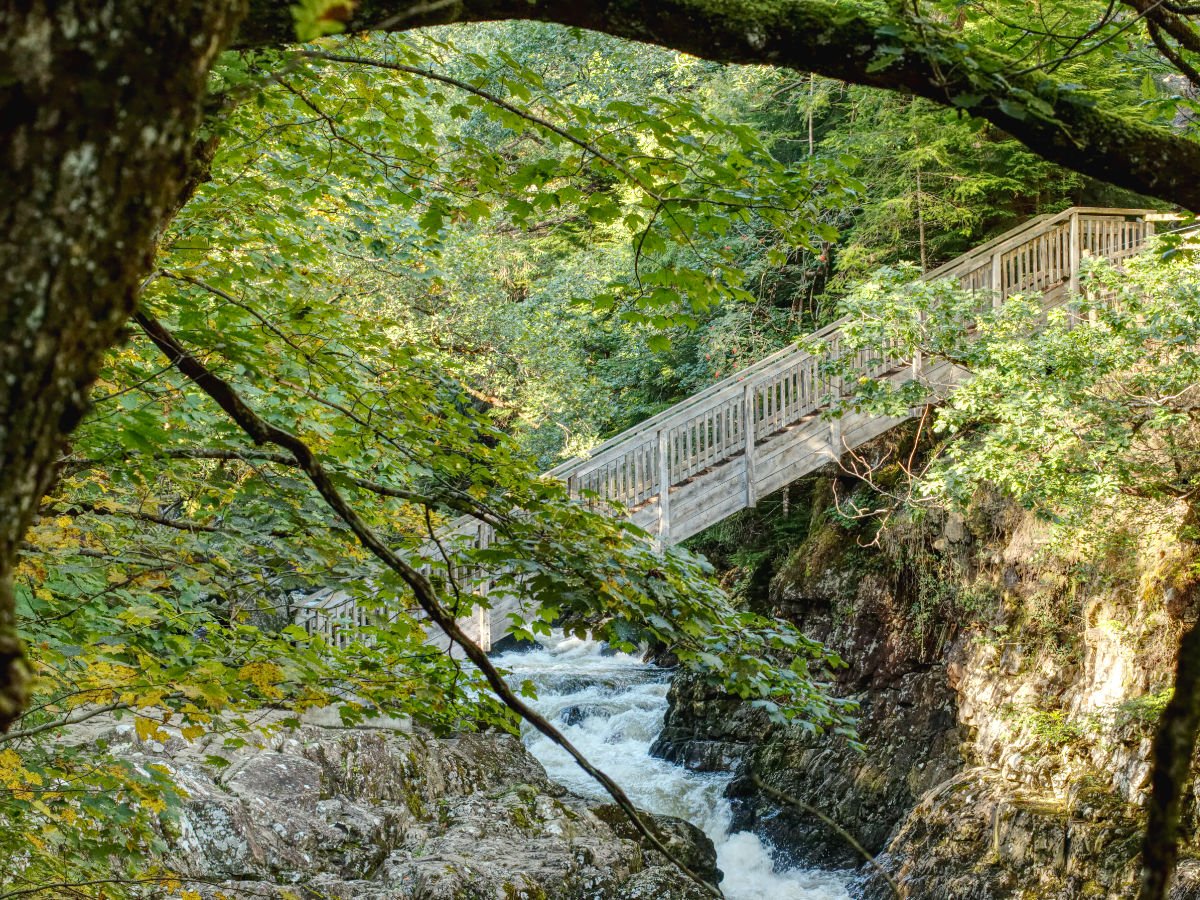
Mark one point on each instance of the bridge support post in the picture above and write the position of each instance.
(918, 360)
(835, 394)
(664, 490)
(748, 428)
(1077, 258)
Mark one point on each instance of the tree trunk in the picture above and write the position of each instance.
(812, 86)
(101, 102)
(1174, 749)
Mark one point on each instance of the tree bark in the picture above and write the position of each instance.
(1174, 750)
(101, 103)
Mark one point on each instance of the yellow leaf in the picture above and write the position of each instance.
(148, 730)
(264, 676)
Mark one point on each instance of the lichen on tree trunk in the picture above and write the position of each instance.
(100, 104)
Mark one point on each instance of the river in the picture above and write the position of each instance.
(611, 707)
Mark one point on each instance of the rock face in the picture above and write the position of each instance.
(1008, 696)
(906, 718)
(979, 836)
(380, 815)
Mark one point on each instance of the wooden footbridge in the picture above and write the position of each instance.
(720, 450)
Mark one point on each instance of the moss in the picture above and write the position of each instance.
(415, 804)
(526, 892)
(1052, 728)
(1142, 713)
(521, 818)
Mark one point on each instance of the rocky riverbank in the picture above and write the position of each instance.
(1006, 753)
(362, 814)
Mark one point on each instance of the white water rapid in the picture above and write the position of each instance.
(611, 707)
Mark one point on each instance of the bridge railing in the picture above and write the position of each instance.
(725, 421)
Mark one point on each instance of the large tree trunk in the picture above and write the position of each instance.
(100, 104)
(1174, 751)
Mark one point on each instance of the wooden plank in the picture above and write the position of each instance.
(688, 499)
(867, 428)
(794, 462)
(814, 431)
(790, 454)
(722, 508)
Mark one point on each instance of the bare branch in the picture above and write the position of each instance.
(780, 797)
(72, 719)
(263, 432)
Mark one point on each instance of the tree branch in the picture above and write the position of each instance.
(72, 719)
(263, 432)
(853, 43)
(285, 459)
(494, 99)
(96, 509)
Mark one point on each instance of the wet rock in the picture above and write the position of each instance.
(907, 720)
(573, 715)
(686, 843)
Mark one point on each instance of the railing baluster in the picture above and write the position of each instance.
(748, 403)
(1076, 253)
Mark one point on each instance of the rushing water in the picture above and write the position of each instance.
(611, 707)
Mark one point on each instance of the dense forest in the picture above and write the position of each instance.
(292, 289)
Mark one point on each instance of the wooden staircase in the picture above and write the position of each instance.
(720, 450)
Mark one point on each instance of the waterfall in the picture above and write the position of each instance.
(611, 707)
